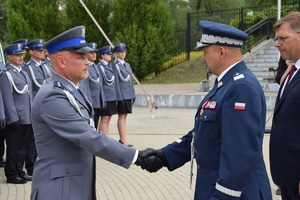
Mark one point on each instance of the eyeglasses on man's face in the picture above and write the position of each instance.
(280, 39)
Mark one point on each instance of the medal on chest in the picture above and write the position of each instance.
(208, 104)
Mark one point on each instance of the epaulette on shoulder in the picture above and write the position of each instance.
(2, 72)
(58, 84)
(238, 76)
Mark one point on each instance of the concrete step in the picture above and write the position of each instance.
(267, 59)
(188, 100)
(266, 65)
(259, 69)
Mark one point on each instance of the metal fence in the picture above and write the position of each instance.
(181, 52)
(243, 18)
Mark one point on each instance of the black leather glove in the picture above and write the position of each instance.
(132, 101)
(15, 124)
(140, 161)
(2, 124)
(155, 159)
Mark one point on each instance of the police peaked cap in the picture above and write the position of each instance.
(93, 46)
(22, 41)
(14, 49)
(105, 50)
(71, 40)
(120, 47)
(37, 44)
(220, 34)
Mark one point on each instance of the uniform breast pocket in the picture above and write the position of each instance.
(19, 83)
(209, 127)
(209, 116)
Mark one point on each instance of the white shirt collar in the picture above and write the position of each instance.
(17, 68)
(226, 70)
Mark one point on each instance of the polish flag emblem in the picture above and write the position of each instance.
(239, 106)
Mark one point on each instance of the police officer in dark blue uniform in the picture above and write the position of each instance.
(229, 126)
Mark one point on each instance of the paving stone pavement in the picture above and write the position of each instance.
(117, 183)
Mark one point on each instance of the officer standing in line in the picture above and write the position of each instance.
(46, 60)
(125, 89)
(109, 88)
(38, 73)
(229, 125)
(2, 126)
(66, 141)
(92, 86)
(25, 48)
(16, 88)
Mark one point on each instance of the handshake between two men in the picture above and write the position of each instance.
(152, 160)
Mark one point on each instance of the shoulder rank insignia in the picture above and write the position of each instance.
(69, 88)
(238, 76)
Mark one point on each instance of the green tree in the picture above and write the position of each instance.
(179, 8)
(33, 19)
(268, 2)
(147, 28)
(3, 18)
(77, 15)
(210, 5)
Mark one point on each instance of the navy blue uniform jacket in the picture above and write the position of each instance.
(229, 128)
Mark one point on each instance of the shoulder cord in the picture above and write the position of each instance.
(107, 81)
(96, 81)
(47, 70)
(73, 102)
(33, 77)
(121, 76)
(13, 86)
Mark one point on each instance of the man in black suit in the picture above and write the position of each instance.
(285, 132)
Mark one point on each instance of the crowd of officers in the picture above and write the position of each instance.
(109, 88)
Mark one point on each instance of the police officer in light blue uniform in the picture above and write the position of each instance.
(92, 86)
(66, 141)
(125, 89)
(47, 60)
(109, 88)
(2, 126)
(24, 42)
(37, 71)
(16, 88)
(227, 137)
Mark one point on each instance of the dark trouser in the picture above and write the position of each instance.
(96, 116)
(289, 193)
(31, 153)
(16, 148)
(2, 146)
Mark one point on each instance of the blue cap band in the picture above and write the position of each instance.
(65, 44)
(15, 50)
(35, 45)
